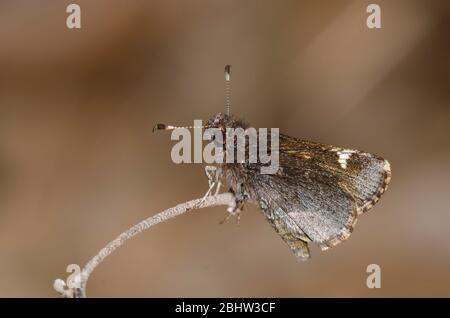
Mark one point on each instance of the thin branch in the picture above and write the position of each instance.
(80, 280)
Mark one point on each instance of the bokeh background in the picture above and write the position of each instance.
(79, 164)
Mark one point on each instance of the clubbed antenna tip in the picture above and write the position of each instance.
(227, 86)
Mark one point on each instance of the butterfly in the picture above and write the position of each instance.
(317, 193)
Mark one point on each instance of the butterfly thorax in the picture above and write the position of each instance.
(234, 174)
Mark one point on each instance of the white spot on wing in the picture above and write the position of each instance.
(344, 155)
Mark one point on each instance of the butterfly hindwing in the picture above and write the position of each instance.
(287, 229)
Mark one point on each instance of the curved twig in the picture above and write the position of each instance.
(80, 280)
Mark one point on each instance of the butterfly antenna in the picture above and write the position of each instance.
(170, 127)
(228, 87)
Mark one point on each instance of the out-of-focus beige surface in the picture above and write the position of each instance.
(79, 164)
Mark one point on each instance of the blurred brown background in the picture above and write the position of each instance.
(79, 164)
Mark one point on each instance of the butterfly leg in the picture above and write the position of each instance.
(240, 198)
(211, 174)
(208, 193)
(233, 212)
(218, 187)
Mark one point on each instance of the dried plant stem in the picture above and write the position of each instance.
(81, 279)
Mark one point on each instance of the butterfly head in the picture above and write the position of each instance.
(224, 121)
